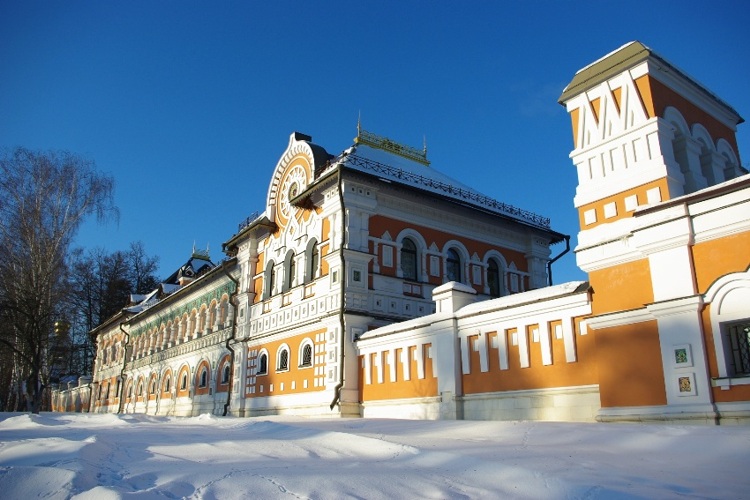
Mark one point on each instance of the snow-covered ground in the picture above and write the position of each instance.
(106, 456)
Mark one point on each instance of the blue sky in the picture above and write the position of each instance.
(189, 105)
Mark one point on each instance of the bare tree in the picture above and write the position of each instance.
(44, 198)
(100, 285)
(142, 269)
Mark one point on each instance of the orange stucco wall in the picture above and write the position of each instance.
(663, 97)
(537, 375)
(735, 392)
(643, 84)
(630, 366)
(379, 224)
(619, 199)
(715, 258)
(415, 387)
(595, 105)
(574, 117)
(621, 287)
(292, 380)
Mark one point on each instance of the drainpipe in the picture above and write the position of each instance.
(342, 322)
(235, 306)
(124, 364)
(549, 264)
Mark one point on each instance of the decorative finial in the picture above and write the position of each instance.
(201, 254)
(424, 141)
(376, 141)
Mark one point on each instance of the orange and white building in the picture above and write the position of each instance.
(664, 208)
(372, 284)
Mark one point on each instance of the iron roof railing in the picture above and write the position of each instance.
(464, 194)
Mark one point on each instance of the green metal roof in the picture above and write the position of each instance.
(605, 68)
(617, 62)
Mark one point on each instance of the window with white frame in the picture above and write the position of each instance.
(493, 278)
(306, 351)
(290, 269)
(225, 374)
(262, 364)
(409, 259)
(728, 297)
(313, 261)
(282, 360)
(738, 347)
(204, 378)
(453, 265)
(268, 280)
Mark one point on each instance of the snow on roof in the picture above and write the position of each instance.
(400, 164)
(508, 301)
(528, 297)
(454, 285)
(170, 288)
(144, 303)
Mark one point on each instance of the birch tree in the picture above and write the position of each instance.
(44, 198)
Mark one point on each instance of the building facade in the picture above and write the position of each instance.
(374, 285)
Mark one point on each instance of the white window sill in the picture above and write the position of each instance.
(726, 382)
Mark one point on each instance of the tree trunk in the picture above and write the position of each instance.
(34, 392)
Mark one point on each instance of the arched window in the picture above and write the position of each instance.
(493, 278)
(204, 378)
(201, 321)
(183, 381)
(269, 277)
(730, 325)
(225, 374)
(453, 265)
(313, 261)
(152, 386)
(306, 354)
(409, 259)
(166, 384)
(282, 363)
(291, 271)
(262, 364)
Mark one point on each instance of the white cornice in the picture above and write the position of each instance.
(619, 319)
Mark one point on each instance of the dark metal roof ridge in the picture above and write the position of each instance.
(260, 221)
(181, 291)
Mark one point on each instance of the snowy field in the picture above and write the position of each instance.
(106, 456)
